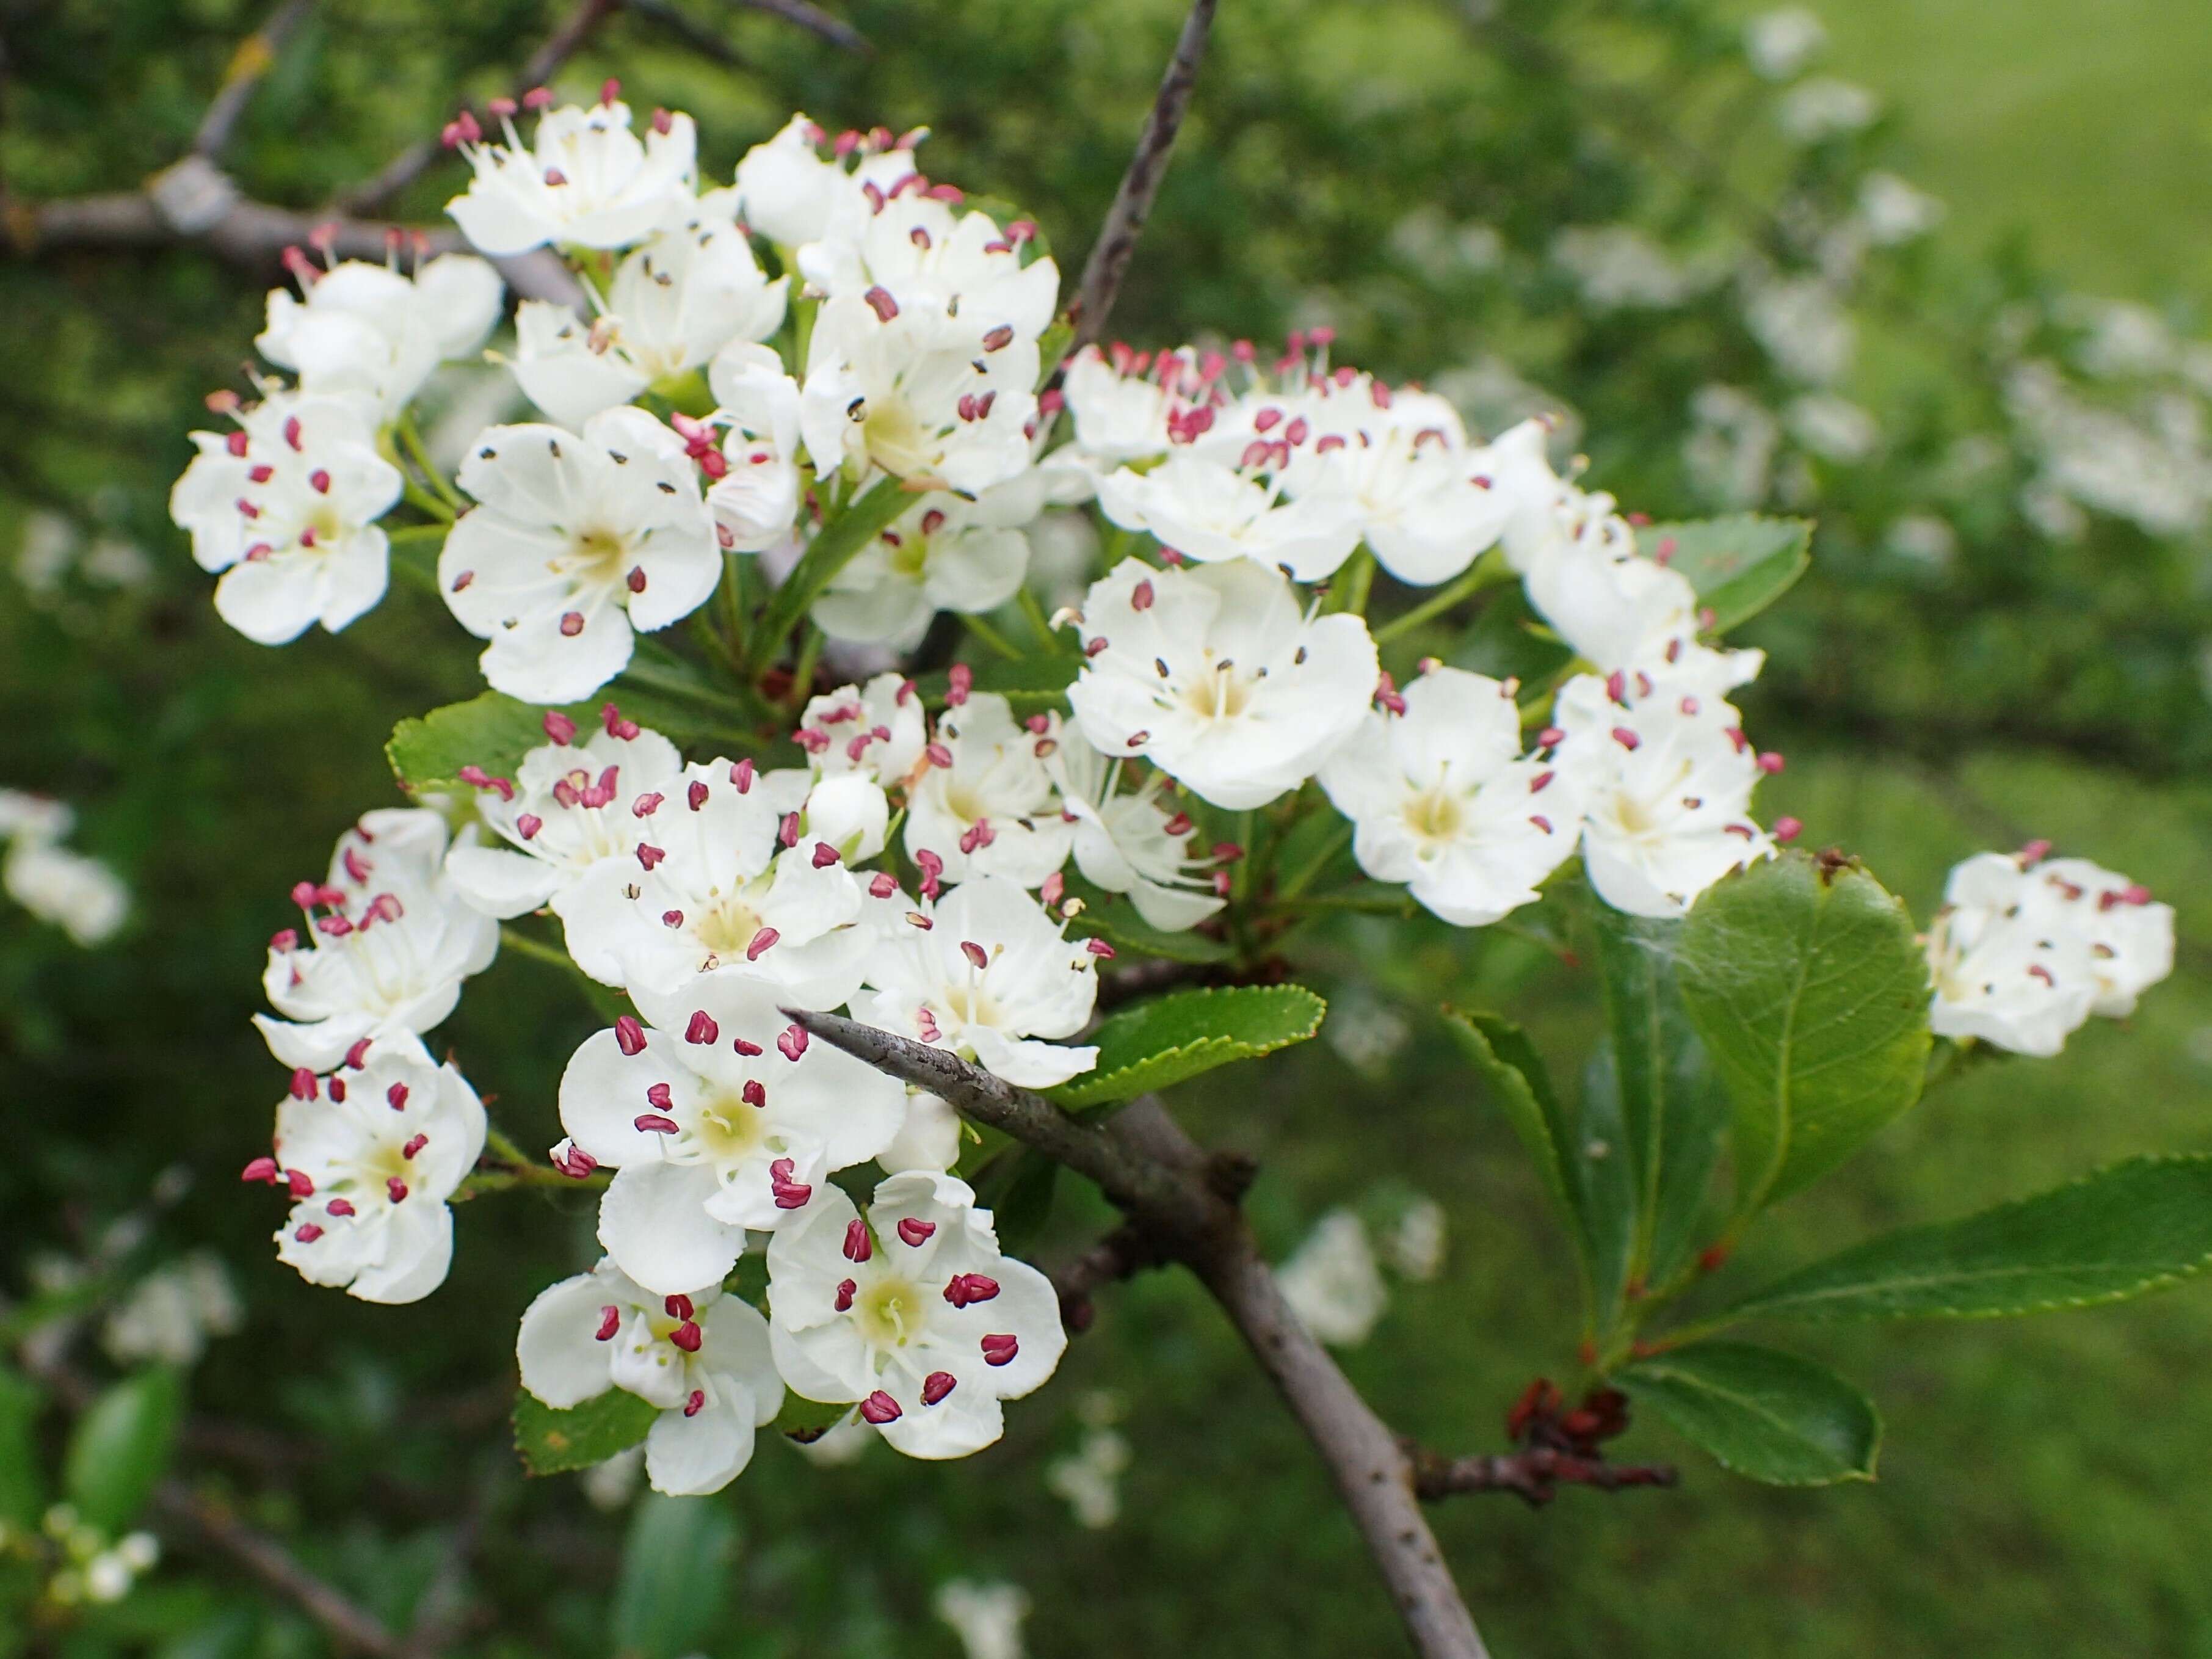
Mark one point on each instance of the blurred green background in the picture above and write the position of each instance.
(2033, 664)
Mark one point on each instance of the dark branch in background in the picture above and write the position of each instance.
(1133, 203)
(248, 64)
(1182, 1202)
(352, 1627)
(1533, 1475)
(1122, 1254)
(835, 30)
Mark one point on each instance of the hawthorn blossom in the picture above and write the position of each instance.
(785, 188)
(1134, 407)
(1209, 509)
(1442, 799)
(908, 241)
(674, 303)
(862, 741)
(1517, 463)
(724, 882)
(387, 941)
(586, 181)
(713, 1127)
(81, 896)
(1134, 843)
(701, 1357)
(1619, 610)
(286, 507)
(985, 972)
(985, 804)
(2130, 938)
(577, 542)
(2008, 967)
(967, 556)
(1216, 675)
(370, 333)
(912, 1311)
(1333, 1283)
(1665, 777)
(370, 1154)
(569, 805)
(24, 816)
(755, 502)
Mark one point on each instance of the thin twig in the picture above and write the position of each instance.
(812, 18)
(1183, 1201)
(1133, 204)
(1122, 1254)
(1533, 1475)
(255, 55)
(350, 1624)
(674, 20)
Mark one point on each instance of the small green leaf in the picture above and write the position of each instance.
(1517, 1081)
(1017, 1187)
(551, 1441)
(810, 1418)
(1113, 918)
(22, 1490)
(492, 731)
(1740, 564)
(122, 1447)
(865, 516)
(1762, 1413)
(1172, 1038)
(2137, 1227)
(675, 1577)
(1604, 1183)
(1030, 685)
(1810, 991)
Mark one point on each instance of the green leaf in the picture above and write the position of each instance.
(865, 516)
(1809, 989)
(1111, 917)
(493, 731)
(1673, 1114)
(551, 1441)
(810, 1418)
(1507, 641)
(1762, 1413)
(1604, 1183)
(1518, 1082)
(2136, 1227)
(1017, 1187)
(1030, 685)
(22, 1491)
(1740, 564)
(1173, 1038)
(122, 1447)
(675, 1577)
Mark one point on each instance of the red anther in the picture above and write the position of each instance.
(500, 108)
(1550, 738)
(337, 1089)
(741, 775)
(235, 443)
(610, 90)
(336, 926)
(671, 918)
(1099, 947)
(762, 941)
(1022, 230)
(702, 1029)
(880, 1408)
(1055, 885)
(629, 1036)
(2135, 893)
(1616, 687)
(307, 1232)
(825, 855)
(2034, 853)
(575, 1163)
(636, 580)
(880, 886)
(415, 1143)
(1626, 739)
(395, 1189)
(999, 338)
(791, 1041)
(858, 1247)
(611, 717)
(846, 1288)
(320, 482)
(1140, 597)
(340, 1207)
(2037, 970)
(285, 938)
(1227, 851)
(1093, 647)
(527, 824)
(1000, 1348)
(790, 1195)
(658, 1097)
(750, 1050)
(663, 122)
(1295, 432)
(1770, 763)
(395, 1097)
(694, 1402)
(688, 1336)
(936, 1386)
(940, 755)
(915, 1233)
(538, 98)
(292, 431)
(959, 680)
(261, 474)
(787, 832)
(1052, 402)
(646, 804)
(1541, 822)
(261, 1170)
(925, 1025)
(1787, 830)
(964, 1288)
(648, 854)
(572, 623)
(812, 740)
(654, 1123)
(304, 1087)
(880, 302)
(297, 1180)
(610, 1322)
(559, 727)
(754, 1094)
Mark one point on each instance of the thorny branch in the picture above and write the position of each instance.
(352, 1626)
(1533, 1475)
(1133, 203)
(252, 59)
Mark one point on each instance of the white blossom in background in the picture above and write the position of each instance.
(1812, 111)
(1414, 1245)
(1780, 43)
(675, 301)
(986, 972)
(81, 896)
(701, 1357)
(1333, 1284)
(1835, 429)
(985, 804)
(862, 742)
(609, 1485)
(1619, 268)
(2006, 969)
(1892, 211)
(569, 805)
(1731, 449)
(1924, 539)
(986, 1617)
(285, 508)
(755, 502)
(170, 1314)
(577, 542)
(911, 1311)
(1665, 776)
(1801, 323)
(372, 334)
(370, 1155)
(945, 555)
(2157, 474)
(586, 180)
(387, 940)
(1089, 1480)
(1135, 841)
(1442, 799)
(713, 1127)
(1219, 677)
(25, 816)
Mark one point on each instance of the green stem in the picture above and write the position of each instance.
(607, 1003)
(802, 672)
(1486, 572)
(423, 499)
(1349, 588)
(1300, 880)
(990, 635)
(418, 532)
(734, 620)
(832, 548)
(1042, 623)
(411, 437)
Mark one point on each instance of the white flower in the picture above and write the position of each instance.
(589, 182)
(37, 817)
(920, 394)
(1090, 1480)
(931, 1138)
(862, 742)
(286, 505)
(568, 806)
(987, 1617)
(914, 245)
(1541, 508)
(1134, 407)
(1833, 428)
(2130, 938)
(913, 1312)
(370, 1154)
(986, 805)
(1131, 843)
(1208, 510)
(2008, 968)
(389, 939)
(1665, 775)
(986, 972)
(577, 542)
(714, 887)
(1216, 675)
(79, 895)
(756, 501)
(702, 1358)
(1333, 1284)
(1620, 612)
(785, 189)
(1618, 267)
(967, 556)
(674, 303)
(1415, 1245)
(1814, 111)
(368, 333)
(713, 1127)
(170, 1314)
(1442, 799)
(1893, 211)
(1780, 43)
